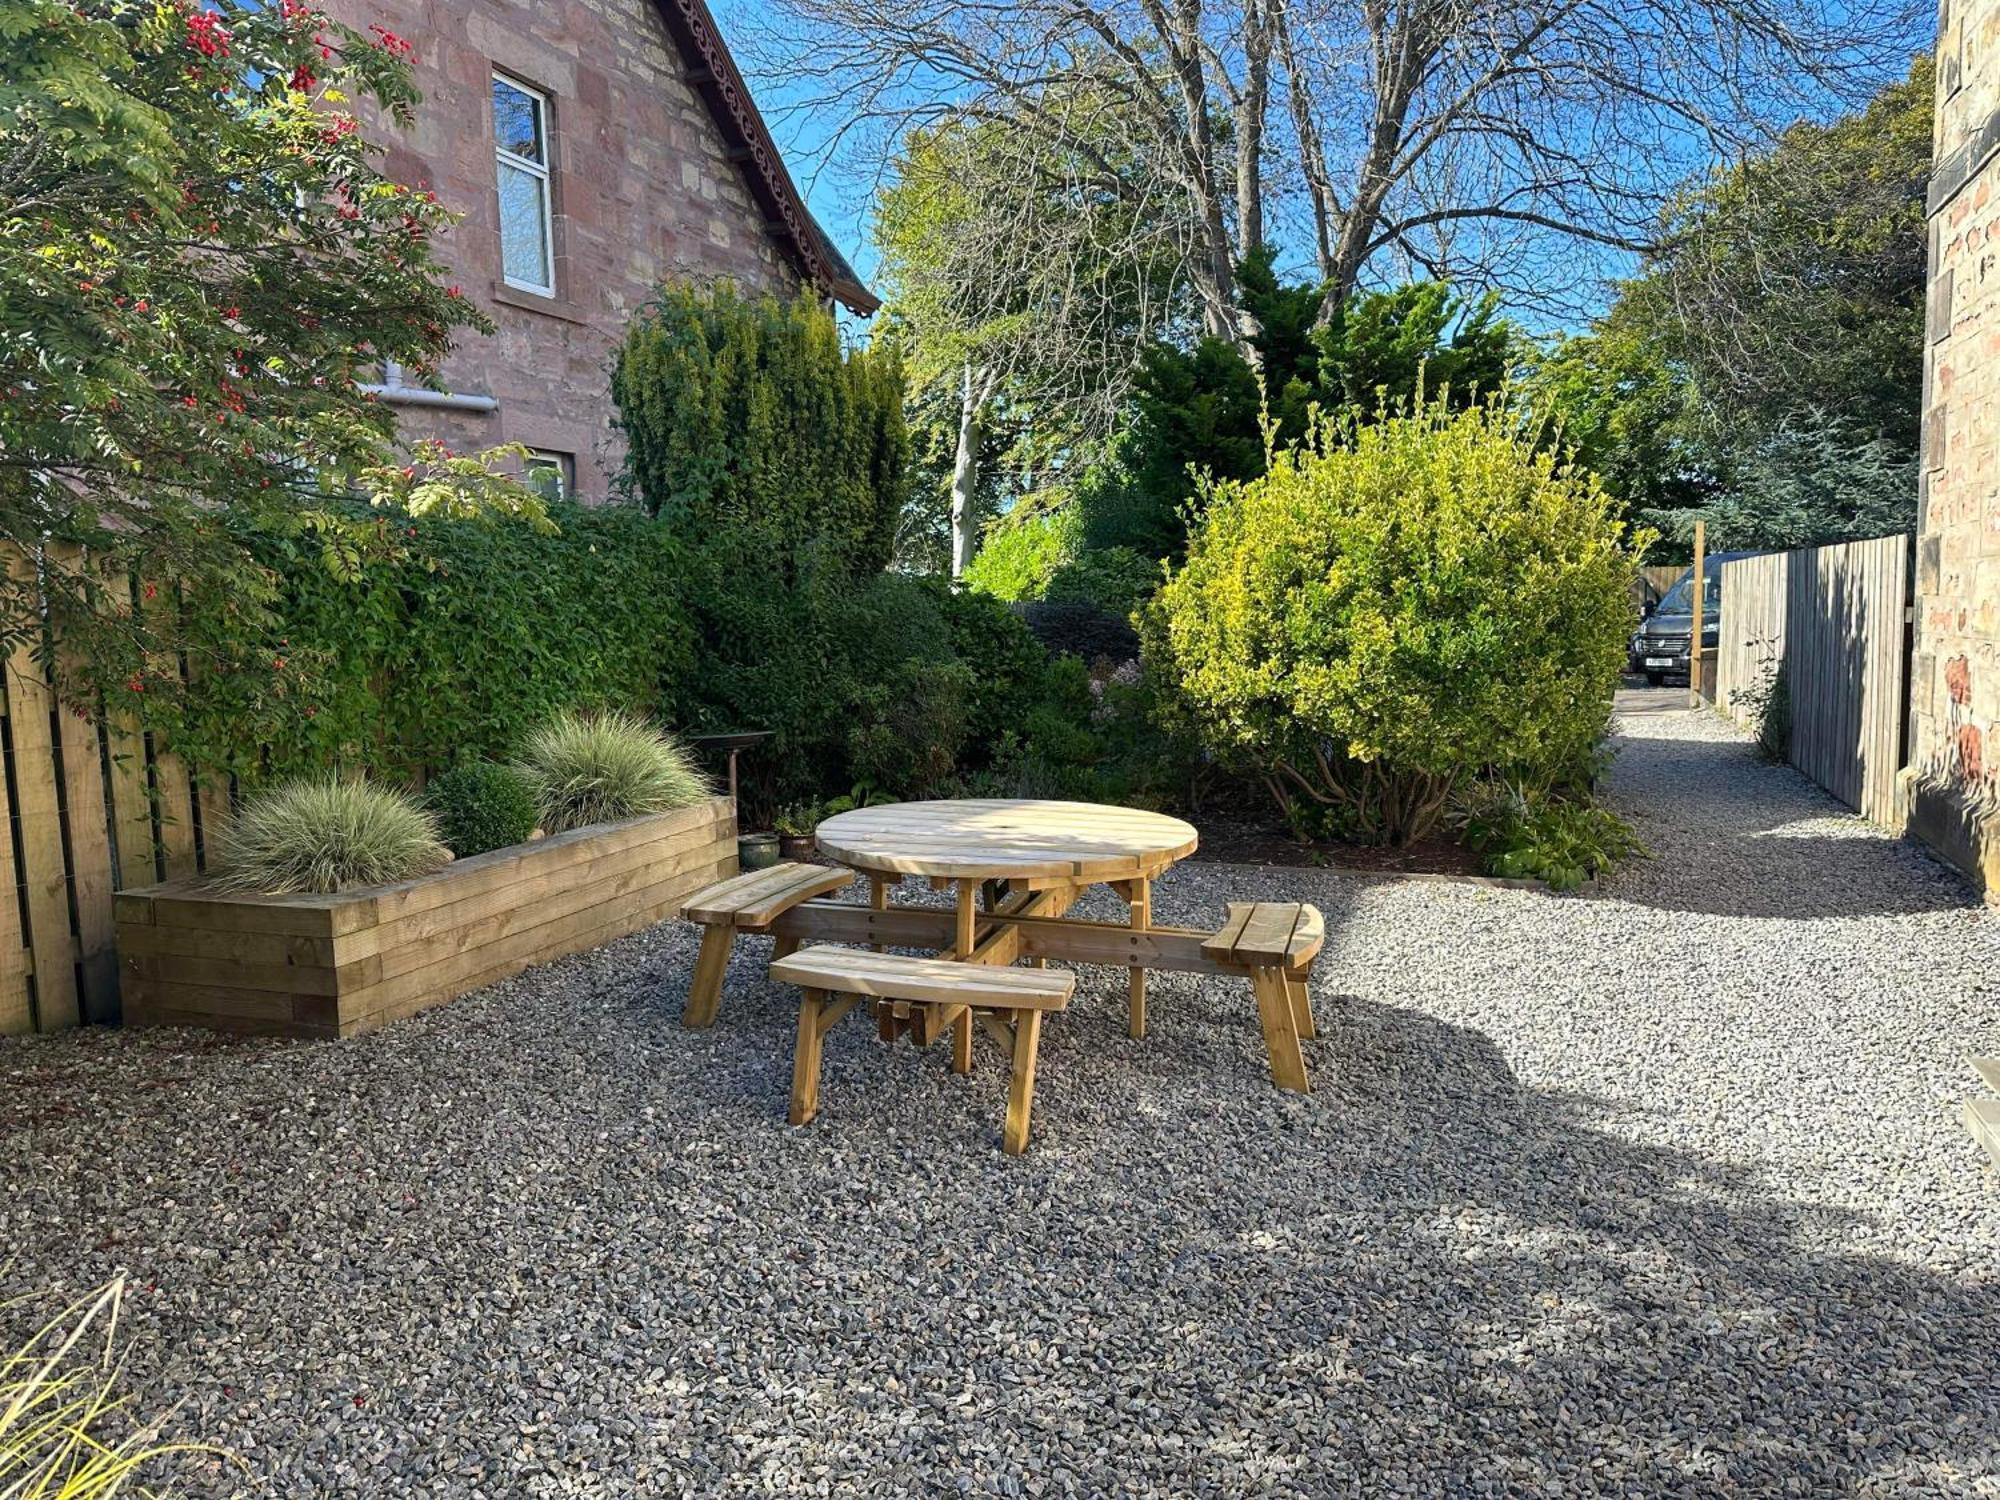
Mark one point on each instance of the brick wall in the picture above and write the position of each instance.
(643, 190)
(1953, 783)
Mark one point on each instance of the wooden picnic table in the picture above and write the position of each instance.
(1031, 858)
(1016, 868)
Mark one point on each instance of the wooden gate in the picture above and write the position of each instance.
(1833, 621)
(92, 804)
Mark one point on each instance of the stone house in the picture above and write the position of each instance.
(1953, 776)
(596, 148)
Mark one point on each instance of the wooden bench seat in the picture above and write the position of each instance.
(1008, 1002)
(1277, 942)
(749, 902)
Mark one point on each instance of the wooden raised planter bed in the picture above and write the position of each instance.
(328, 966)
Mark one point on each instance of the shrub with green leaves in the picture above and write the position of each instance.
(1558, 841)
(599, 768)
(482, 806)
(752, 427)
(909, 729)
(326, 833)
(1397, 607)
(454, 635)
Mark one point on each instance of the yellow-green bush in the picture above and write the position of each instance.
(1395, 607)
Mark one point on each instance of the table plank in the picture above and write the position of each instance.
(1008, 839)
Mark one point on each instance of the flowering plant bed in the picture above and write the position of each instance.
(336, 965)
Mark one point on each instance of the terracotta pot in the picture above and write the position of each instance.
(797, 846)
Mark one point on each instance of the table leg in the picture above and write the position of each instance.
(966, 934)
(878, 896)
(961, 1043)
(1140, 900)
(1021, 1083)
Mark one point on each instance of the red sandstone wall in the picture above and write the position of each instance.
(643, 192)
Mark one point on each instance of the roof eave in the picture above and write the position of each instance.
(712, 73)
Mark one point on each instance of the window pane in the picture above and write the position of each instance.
(524, 246)
(551, 473)
(517, 122)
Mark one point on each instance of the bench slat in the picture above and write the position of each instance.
(890, 976)
(760, 897)
(1268, 934)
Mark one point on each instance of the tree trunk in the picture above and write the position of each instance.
(965, 477)
(1251, 106)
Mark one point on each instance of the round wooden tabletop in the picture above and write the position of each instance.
(1007, 840)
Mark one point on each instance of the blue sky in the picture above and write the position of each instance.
(842, 205)
(843, 211)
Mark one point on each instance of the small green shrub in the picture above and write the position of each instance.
(598, 768)
(1115, 579)
(1022, 550)
(482, 806)
(326, 833)
(1769, 703)
(1397, 608)
(910, 729)
(1562, 843)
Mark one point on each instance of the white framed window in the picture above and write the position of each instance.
(554, 474)
(521, 159)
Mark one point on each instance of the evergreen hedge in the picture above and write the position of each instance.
(749, 423)
(452, 643)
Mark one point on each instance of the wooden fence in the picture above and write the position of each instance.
(1650, 583)
(1830, 624)
(92, 805)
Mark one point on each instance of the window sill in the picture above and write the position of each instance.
(551, 307)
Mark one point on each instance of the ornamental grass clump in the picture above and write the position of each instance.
(598, 768)
(324, 834)
(63, 1434)
(482, 806)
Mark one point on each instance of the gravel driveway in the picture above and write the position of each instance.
(1656, 1192)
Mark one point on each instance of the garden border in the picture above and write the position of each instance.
(342, 964)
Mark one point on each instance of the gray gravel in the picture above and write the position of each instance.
(1657, 1192)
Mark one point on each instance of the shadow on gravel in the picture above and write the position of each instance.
(1425, 1269)
(1570, 1292)
(1734, 836)
(550, 1209)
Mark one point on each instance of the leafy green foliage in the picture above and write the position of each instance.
(454, 636)
(326, 833)
(1114, 579)
(1037, 552)
(910, 729)
(812, 664)
(1395, 608)
(200, 263)
(1558, 841)
(1025, 548)
(1201, 411)
(1803, 487)
(751, 427)
(599, 768)
(480, 806)
(1778, 331)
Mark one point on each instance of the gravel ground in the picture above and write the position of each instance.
(1655, 1192)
